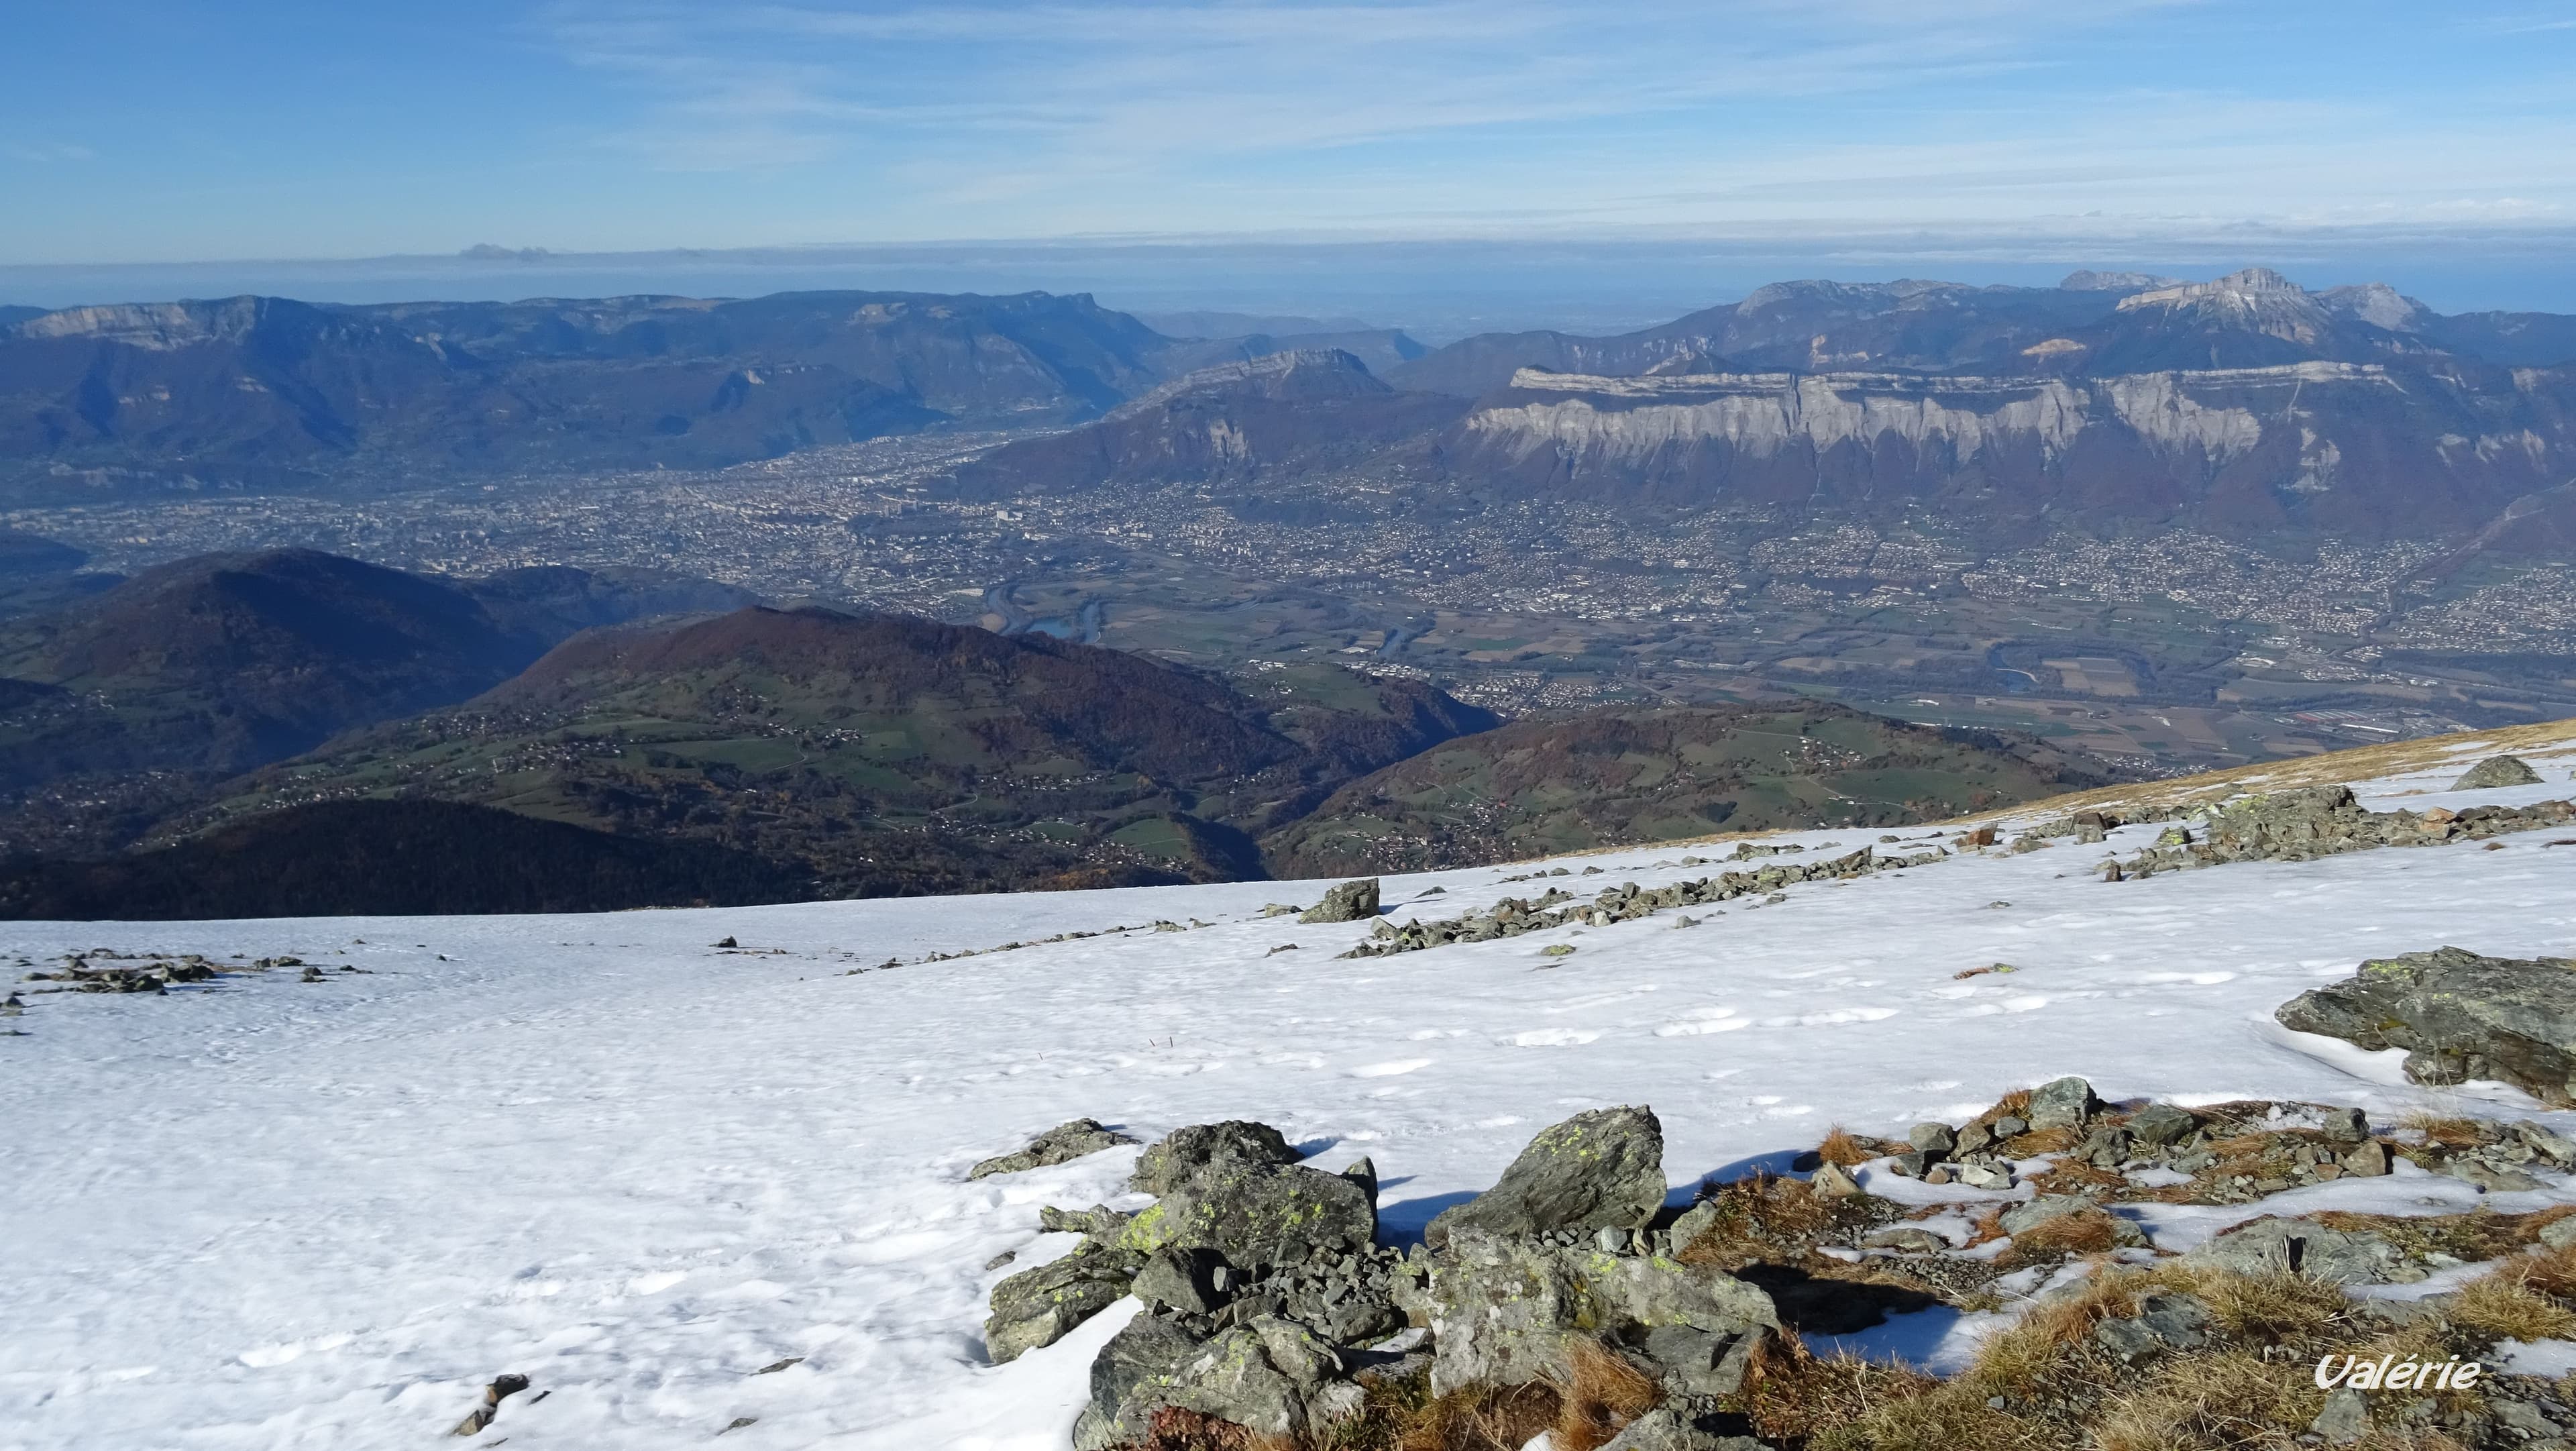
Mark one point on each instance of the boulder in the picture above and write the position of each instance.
(1151, 1345)
(2163, 1322)
(1041, 1306)
(1181, 1279)
(2023, 1218)
(1186, 1150)
(2303, 1247)
(2064, 1103)
(2497, 771)
(1257, 1214)
(1599, 1169)
(1264, 1375)
(1503, 1309)
(1349, 902)
(2459, 1015)
(2161, 1123)
(1066, 1141)
(1662, 1430)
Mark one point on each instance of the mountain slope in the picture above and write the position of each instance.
(217, 663)
(1282, 414)
(1619, 777)
(889, 755)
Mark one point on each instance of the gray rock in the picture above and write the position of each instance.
(1933, 1139)
(1099, 1221)
(1349, 902)
(2367, 1160)
(2163, 1322)
(2345, 1419)
(2022, 1218)
(1661, 1430)
(1262, 1375)
(1041, 1306)
(2345, 1125)
(1600, 1168)
(1831, 1181)
(2459, 1015)
(1150, 1346)
(2305, 1247)
(2489, 1177)
(2558, 1233)
(1184, 1279)
(1905, 1237)
(2010, 1127)
(2557, 1148)
(1187, 1150)
(1363, 1172)
(2064, 1103)
(2497, 771)
(2161, 1123)
(1502, 1310)
(1066, 1141)
(1257, 1214)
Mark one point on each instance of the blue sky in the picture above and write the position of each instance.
(140, 130)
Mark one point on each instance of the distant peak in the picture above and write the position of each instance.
(2377, 304)
(1305, 372)
(2091, 281)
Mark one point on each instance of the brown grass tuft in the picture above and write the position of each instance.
(1483, 1420)
(2450, 1131)
(2230, 1399)
(1791, 1394)
(2085, 1232)
(1601, 1393)
(1842, 1146)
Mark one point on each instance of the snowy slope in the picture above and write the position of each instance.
(637, 1169)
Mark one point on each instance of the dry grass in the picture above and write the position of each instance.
(2450, 1131)
(2231, 1399)
(1842, 1146)
(1601, 1393)
(2085, 1232)
(1483, 1420)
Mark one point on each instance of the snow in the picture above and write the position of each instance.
(595, 1151)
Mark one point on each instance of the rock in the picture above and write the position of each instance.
(1933, 1139)
(2557, 1148)
(1257, 1214)
(2497, 771)
(2160, 1124)
(1099, 1221)
(1041, 1306)
(2064, 1103)
(1184, 1151)
(2459, 1015)
(1662, 1430)
(2010, 1127)
(1985, 1176)
(1064, 1142)
(2305, 1247)
(1260, 1375)
(1150, 1345)
(1905, 1237)
(2345, 1125)
(2345, 1419)
(1831, 1181)
(2489, 1177)
(1350, 902)
(1502, 1309)
(2559, 1233)
(1600, 1168)
(1363, 1172)
(2368, 1161)
(2163, 1322)
(1183, 1279)
(999, 1260)
(2023, 1218)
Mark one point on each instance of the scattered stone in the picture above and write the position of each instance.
(775, 1366)
(1279, 909)
(999, 1260)
(1557, 949)
(726, 942)
(1833, 1181)
(2162, 1123)
(1905, 1237)
(1936, 1139)
(1601, 1168)
(2163, 1322)
(2497, 771)
(1662, 1430)
(1061, 1144)
(738, 1422)
(1354, 901)
(2368, 1161)
(2459, 1015)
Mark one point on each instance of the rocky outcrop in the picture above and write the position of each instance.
(1061, 1144)
(2304, 1247)
(1187, 1151)
(2302, 825)
(1602, 1169)
(1349, 902)
(1504, 1309)
(2497, 771)
(1041, 1306)
(2458, 1015)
